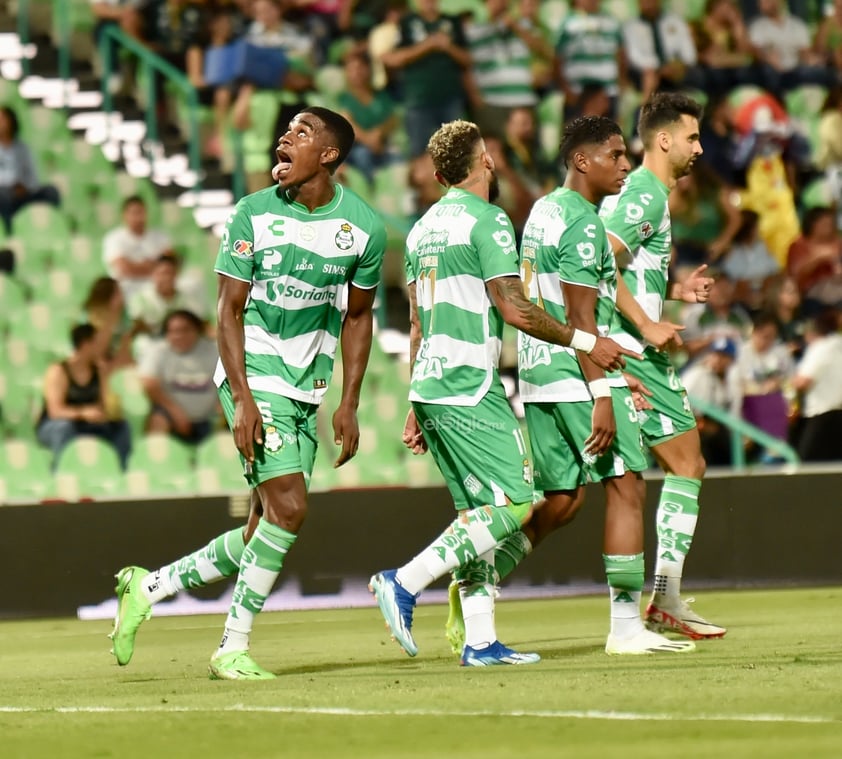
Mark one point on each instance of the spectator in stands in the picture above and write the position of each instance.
(704, 217)
(105, 309)
(149, 306)
(828, 41)
(783, 43)
(19, 183)
(748, 263)
(383, 38)
(501, 71)
(358, 17)
(783, 299)
(589, 51)
(725, 51)
(177, 376)
(721, 316)
(432, 57)
(711, 379)
(818, 378)
(829, 147)
(131, 251)
(372, 114)
(764, 369)
(720, 142)
(76, 399)
(661, 51)
(320, 20)
(817, 254)
(217, 33)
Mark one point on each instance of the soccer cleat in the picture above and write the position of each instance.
(496, 653)
(237, 665)
(454, 628)
(396, 604)
(681, 619)
(647, 642)
(132, 610)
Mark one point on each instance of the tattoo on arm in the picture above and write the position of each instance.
(517, 310)
(414, 327)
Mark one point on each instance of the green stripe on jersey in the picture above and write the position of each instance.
(502, 65)
(451, 252)
(564, 240)
(299, 265)
(639, 216)
(588, 44)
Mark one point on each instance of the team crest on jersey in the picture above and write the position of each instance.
(272, 441)
(242, 249)
(645, 230)
(344, 238)
(527, 472)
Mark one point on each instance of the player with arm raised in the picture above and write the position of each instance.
(462, 269)
(298, 267)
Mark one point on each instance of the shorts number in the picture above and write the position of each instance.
(265, 409)
(672, 379)
(629, 401)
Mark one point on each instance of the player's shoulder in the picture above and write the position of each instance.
(362, 212)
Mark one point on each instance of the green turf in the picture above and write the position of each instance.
(751, 694)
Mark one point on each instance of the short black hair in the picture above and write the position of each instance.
(340, 129)
(132, 199)
(665, 109)
(765, 319)
(586, 130)
(183, 313)
(81, 334)
(14, 122)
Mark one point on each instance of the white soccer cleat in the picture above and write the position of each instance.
(678, 617)
(647, 642)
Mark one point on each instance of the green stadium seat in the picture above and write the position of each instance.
(45, 326)
(13, 298)
(422, 472)
(211, 480)
(329, 81)
(25, 467)
(125, 384)
(93, 466)
(44, 231)
(20, 404)
(24, 361)
(218, 466)
(160, 464)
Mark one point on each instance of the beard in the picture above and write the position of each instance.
(493, 187)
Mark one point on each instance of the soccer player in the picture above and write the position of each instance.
(463, 275)
(298, 267)
(638, 225)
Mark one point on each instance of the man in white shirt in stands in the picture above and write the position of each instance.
(130, 252)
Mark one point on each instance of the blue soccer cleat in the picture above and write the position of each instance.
(396, 604)
(494, 654)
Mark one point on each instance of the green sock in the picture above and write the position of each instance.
(625, 583)
(260, 566)
(218, 559)
(470, 535)
(678, 511)
(510, 552)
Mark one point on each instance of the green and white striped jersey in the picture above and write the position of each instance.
(564, 240)
(588, 44)
(299, 265)
(461, 243)
(502, 65)
(639, 217)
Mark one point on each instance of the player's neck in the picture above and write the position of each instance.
(312, 194)
(577, 183)
(660, 168)
(476, 184)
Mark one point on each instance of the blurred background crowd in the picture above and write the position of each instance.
(107, 286)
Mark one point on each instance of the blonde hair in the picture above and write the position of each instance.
(452, 149)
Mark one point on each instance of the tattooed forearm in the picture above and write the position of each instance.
(507, 294)
(414, 327)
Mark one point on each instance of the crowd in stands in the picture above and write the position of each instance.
(761, 206)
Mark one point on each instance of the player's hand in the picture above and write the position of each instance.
(639, 392)
(413, 438)
(662, 335)
(603, 427)
(248, 427)
(608, 355)
(696, 288)
(346, 432)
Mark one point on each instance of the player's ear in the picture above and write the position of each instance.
(664, 140)
(330, 155)
(580, 162)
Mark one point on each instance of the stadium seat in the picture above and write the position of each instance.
(20, 405)
(44, 231)
(13, 298)
(422, 472)
(213, 480)
(45, 326)
(217, 458)
(94, 464)
(125, 384)
(25, 363)
(25, 467)
(164, 463)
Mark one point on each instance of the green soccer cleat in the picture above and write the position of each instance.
(237, 665)
(454, 628)
(132, 610)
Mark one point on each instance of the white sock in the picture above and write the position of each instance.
(156, 586)
(625, 613)
(478, 613)
(233, 640)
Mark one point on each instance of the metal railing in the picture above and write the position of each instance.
(739, 429)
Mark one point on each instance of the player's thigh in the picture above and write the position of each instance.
(557, 432)
(670, 414)
(626, 453)
(480, 451)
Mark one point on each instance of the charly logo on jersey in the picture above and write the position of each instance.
(344, 237)
(272, 440)
(242, 249)
(277, 228)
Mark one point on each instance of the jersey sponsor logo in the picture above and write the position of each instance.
(272, 440)
(344, 237)
(587, 252)
(645, 230)
(242, 249)
(319, 384)
(428, 367)
(450, 209)
(472, 484)
(503, 237)
(634, 213)
(334, 269)
(271, 257)
(532, 354)
(277, 227)
(276, 291)
(303, 266)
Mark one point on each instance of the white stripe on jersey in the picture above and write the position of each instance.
(299, 351)
(463, 291)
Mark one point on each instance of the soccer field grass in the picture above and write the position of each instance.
(771, 688)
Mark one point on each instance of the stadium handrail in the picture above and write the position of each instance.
(150, 62)
(739, 429)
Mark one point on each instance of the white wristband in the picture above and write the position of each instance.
(582, 341)
(599, 388)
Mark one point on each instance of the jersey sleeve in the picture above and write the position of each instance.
(367, 274)
(493, 237)
(236, 250)
(407, 265)
(635, 218)
(580, 251)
